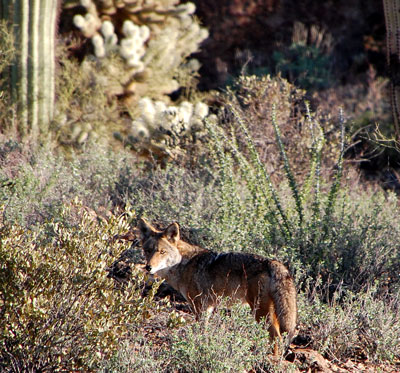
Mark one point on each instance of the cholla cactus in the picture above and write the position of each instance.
(149, 12)
(157, 119)
(106, 43)
(132, 46)
(157, 37)
(165, 130)
(166, 52)
(143, 46)
(88, 24)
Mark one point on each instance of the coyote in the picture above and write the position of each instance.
(202, 276)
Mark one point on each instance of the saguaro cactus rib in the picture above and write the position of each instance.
(392, 20)
(32, 80)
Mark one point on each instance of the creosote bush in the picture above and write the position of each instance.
(59, 310)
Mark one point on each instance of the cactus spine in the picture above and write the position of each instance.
(32, 79)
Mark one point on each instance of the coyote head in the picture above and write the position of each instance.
(159, 247)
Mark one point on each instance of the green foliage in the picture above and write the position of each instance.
(230, 341)
(304, 65)
(59, 310)
(36, 184)
(309, 221)
(82, 90)
(353, 325)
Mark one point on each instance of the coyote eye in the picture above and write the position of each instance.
(162, 252)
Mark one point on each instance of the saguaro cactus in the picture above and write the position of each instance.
(392, 20)
(31, 79)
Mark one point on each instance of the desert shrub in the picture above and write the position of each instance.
(138, 355)
(59, 310)
(362, 325)
(252, 98)
(171, 193)
(81, 91)
(361, 235)
(367, 106)
(228, 343)
(365, 103)
(231, 341)
(315, 223)
(35, 184)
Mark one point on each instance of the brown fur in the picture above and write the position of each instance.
(203, 276)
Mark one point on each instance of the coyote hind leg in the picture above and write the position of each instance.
(266, 312)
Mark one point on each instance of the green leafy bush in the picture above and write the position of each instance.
(230, 341)
(59, 310)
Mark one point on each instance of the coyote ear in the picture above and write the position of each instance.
(145, 228)
(171, 233)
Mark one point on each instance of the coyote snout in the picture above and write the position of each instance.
(202, 276)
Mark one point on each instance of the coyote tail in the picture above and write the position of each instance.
(284, 297)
